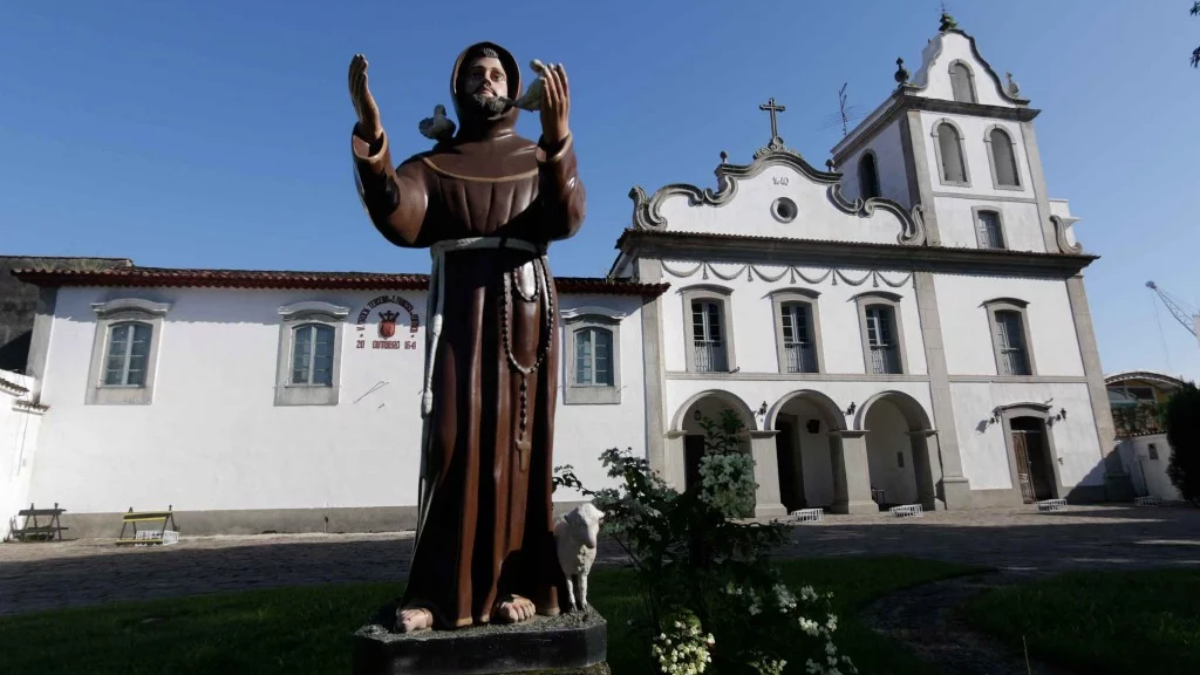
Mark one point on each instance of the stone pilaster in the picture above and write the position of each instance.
(767, 500)
(851, 473)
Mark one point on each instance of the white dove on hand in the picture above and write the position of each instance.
(532, 100)
(439, 127)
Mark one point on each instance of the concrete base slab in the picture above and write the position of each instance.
(573, 643)
(770, 511)
(855, 508)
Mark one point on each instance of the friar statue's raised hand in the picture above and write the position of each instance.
(369, 124)
(556, 105)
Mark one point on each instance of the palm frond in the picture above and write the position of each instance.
(1196, 58)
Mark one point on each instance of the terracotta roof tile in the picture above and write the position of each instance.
(275, 279)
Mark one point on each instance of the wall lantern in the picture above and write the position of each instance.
(814, 426)
(850, 410)
(696, 415)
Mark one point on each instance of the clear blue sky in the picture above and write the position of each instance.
(216, 134)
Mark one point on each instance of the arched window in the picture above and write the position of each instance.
(1004, 162)
(312, 355)
(962, 82)
(949, 143)
(128, 354)
(868, 177)
(594, 357)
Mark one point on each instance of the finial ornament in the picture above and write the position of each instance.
(830, 165)
(1014, 89)
(948, 22)
(901, 72)
(724, 157)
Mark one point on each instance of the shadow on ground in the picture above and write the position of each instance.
(36, 577)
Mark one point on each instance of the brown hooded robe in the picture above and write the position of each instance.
(488, 521)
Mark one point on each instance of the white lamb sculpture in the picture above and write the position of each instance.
(575, 535)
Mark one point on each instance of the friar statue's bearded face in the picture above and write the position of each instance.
(485, 84)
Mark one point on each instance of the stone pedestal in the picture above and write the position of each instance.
(570, 644)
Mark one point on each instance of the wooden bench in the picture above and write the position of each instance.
(36, 531)
(907, 511)
(162, 536)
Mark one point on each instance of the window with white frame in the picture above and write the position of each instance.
(125, 351)
(310, 346)
(593, 341)
(799, 346)
(987, 229)
(1010, 337)
(881, 340)
(593, 357)
(707, 329)
(708, 336)
(128, 354)
(312, 355)
(962, 82)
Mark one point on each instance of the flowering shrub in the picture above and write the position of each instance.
(682, 649)
(703, 576)
(726, 473)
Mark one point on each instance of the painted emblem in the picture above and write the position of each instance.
(387, 324)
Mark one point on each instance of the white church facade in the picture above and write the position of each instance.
(909, 327)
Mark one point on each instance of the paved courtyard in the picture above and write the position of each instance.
(94, 571)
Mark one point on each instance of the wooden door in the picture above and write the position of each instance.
(1040, 473)
(1024, 469)
(693, 451)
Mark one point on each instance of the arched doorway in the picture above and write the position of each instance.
(899, 461)
(690, 436)
(805, 450)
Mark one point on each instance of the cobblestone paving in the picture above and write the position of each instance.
(40, 576)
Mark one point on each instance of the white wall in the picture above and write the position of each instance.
(214, 439)
(966, 331)
(889, 162)
(887, 436)
(1018, 220)
(944, 49)
(1149, 475)
(974, 131)
(754, 319)
(18, 442)
(749, 213)
(982, 446)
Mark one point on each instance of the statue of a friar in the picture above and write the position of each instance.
(486, 202)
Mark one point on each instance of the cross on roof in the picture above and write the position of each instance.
(771, 107)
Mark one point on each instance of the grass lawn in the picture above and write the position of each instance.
(307, 630)
(1107, 623)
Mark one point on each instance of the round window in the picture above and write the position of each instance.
(784, 210)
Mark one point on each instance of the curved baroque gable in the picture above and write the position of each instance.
(647, 209)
